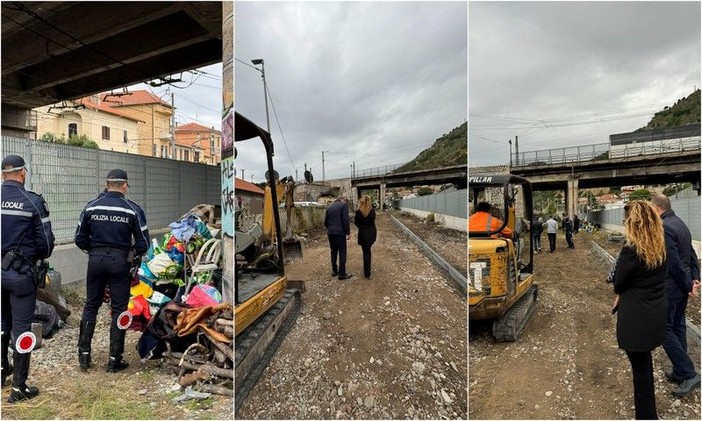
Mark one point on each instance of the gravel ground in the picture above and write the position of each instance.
(390, 347)
(143, 391)
(449, 243)
(566, 364)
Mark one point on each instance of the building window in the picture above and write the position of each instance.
(153, 150)
(197, 156)
(125, 137)
(105, 133)
(212, 143)
(164, 151)
(72, 129)
(186, 155)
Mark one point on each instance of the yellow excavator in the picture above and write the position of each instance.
(267, 303)
(501, 284)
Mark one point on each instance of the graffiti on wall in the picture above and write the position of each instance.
(227, 170)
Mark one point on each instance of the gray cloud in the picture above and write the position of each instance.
(369, 82)
(591, 61)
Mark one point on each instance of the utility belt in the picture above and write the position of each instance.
(108, 251)
(18, 262)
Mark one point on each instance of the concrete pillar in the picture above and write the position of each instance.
(227, 165)
(572, 197)
(381, 199)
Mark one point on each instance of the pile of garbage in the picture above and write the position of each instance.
(176, 302)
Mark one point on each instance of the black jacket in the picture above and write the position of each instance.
(26, 225)
(643, 306)
(537, 228)
(336, 220)
(682, 260)
(112, 221)
(366, 228)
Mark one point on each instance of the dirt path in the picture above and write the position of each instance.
(393, 346)
(567, 364)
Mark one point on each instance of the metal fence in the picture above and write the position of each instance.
(370, 172)
(69, 176)
(602, 151)
(452, 203)
(687, 209)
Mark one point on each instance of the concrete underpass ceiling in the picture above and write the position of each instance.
(54, 51)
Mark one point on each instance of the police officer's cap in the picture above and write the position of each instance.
(117, 175)
(12, 163)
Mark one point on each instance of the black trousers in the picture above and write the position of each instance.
(337, 244)
(103, 271)
(569, 239)
(19, 295)
(366, 260)
(552, 241)
(644, 392)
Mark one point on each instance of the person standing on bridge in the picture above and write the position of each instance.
(682, 280)
(551, 228)
(639, 282)
(113, 231)
(336, 221)
(365, 221)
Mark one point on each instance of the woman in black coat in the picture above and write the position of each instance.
(365, 221)
(641, 302)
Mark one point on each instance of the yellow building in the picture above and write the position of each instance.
(197, 143)
(111, 129)
(155, 133)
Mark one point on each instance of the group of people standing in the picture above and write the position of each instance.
(655, 273)
(570, 226)
(336, 221)
(111, 229)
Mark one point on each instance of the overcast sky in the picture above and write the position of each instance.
(606, 66)
(196, 102)
(370, 82)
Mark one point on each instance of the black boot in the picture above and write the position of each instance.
(20, 390)
(86, 337)
(116, 349)
(6, 367)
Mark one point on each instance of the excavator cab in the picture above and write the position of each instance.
(501, 258)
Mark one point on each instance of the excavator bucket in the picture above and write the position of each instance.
(292, 249)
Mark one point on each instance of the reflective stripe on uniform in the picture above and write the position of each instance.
(144, 228)
(45, 220)
(17, 213)
(111, 208)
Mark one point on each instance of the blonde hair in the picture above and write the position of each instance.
(644, 231)
(364, 205)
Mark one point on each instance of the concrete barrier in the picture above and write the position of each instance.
(460, 224)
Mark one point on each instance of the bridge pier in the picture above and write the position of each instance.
(572, 196)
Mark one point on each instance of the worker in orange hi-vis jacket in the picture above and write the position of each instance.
(483, 221)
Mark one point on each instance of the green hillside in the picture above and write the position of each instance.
(684, 111)
(450, 149)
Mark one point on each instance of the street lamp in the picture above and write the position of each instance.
(258, 61)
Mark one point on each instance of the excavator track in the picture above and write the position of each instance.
(508, 327)
(257, 344)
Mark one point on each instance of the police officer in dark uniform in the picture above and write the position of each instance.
(112, 230)
(26, 238)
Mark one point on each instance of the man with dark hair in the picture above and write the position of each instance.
(336, 220)
(568, 228)
(113, 231)
(576, 223)
(483, 221)
(26, 239)
(682, 280)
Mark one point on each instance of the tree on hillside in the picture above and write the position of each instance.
(640, 194)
